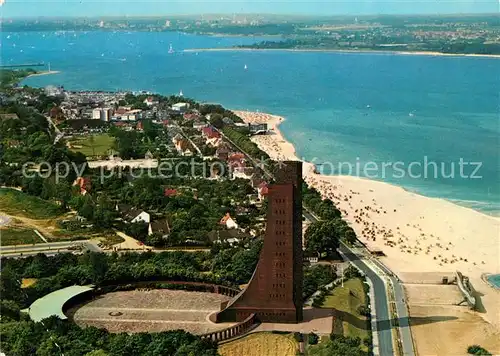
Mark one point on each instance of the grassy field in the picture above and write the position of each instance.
(98, 145)
(18, 203)
(18, 236)
(346, 300)
(261, 344)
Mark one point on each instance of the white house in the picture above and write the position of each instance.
(143, 216)
(150, 101)
(180, 107)
(96, 114)
(229, 222)
(199, 125)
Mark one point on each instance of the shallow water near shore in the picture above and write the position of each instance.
(494, 279)
(341, 108)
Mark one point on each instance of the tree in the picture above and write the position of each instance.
(477, 350)
(363, 310)
(138, 230)
(155, 239)
(322, 238)
(99, 265)
(87, 208)
(9, 310)
(99, 352)
(216, 121)
(10, 285)
(63, 193)
(312, 339)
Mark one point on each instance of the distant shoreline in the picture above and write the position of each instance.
(416, 53)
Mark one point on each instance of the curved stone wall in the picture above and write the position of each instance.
(232, 331)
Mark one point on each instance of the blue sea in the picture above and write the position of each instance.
(494, 279)
(430, 124)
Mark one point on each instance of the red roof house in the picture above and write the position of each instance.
(238, 156)
(83, 183)
(262, 190)
(209, 132)
(191, 116)
(170, 192)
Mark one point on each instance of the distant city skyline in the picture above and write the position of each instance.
(92, 8)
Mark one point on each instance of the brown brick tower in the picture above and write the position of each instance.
(274, 293)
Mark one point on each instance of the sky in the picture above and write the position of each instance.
(95, 8)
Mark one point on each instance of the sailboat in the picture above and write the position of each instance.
(170, 49)
(246, 67)
(181, 93)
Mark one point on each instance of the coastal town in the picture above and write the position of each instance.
(164, 188)
(453, 34)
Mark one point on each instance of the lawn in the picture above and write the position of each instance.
(346, 300)
(18, 236)
(18, 203)
(94, 145)
(261, 344)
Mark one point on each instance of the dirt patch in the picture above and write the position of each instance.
(426, 277)
(433, 294)
(449, 330)
(28, 282)
(151, 311)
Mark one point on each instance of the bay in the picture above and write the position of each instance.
(341, 108)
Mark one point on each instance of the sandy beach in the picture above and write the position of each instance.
(47, 72)
(417, 234)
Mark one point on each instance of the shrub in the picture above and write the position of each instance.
(477, 350)
(352, 272)
(363, 310)
(353, 341)
(368, 342)
(312, 339)
(298, 336)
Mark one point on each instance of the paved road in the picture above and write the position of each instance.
(381, 303)
(402, 311)
(48, 248)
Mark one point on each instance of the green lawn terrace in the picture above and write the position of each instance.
(18, 236)
(53, 303)
(92, 145)
(15, 202)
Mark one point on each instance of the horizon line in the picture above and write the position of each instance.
(156, 16)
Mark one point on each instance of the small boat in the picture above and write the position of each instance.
(170, 49)
(368, 106)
